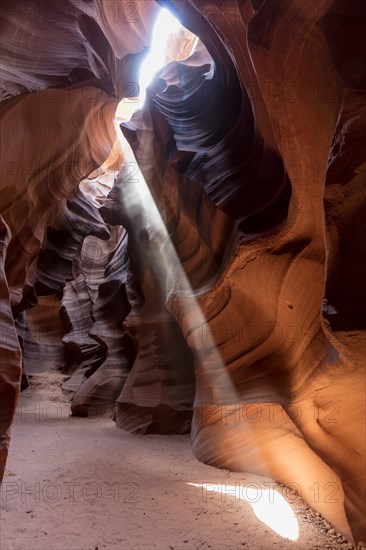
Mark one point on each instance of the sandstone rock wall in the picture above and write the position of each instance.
(227, 297)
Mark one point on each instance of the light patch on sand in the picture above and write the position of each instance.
(268, 505)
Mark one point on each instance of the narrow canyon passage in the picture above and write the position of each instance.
(182, 274)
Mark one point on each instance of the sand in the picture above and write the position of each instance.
(83, 484)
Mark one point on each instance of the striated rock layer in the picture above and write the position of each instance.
(10, 354)
(219, 286)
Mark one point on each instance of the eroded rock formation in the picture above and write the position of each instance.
(227, 296)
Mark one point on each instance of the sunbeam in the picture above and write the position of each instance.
(139, 192)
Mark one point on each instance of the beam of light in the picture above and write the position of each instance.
(140, 200)
(268, 505)
(140, 197)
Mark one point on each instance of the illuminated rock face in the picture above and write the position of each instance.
(254, 156)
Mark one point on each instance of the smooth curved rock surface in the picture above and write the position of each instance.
(40, 334)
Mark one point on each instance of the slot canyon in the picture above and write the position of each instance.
(183, 274)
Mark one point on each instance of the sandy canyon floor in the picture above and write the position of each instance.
(82, 484)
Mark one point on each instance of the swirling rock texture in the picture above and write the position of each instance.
(10, 354)
(227, 296)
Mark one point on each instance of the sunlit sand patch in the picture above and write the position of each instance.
(268, 505)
